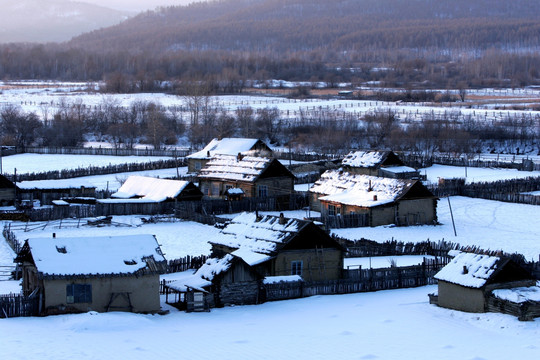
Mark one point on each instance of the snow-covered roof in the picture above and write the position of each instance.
(214, 266)
(150, 189)
(359, 190)
(399, 169)
(225, 146)
(246, 168)
(468, 269)
(261, 235)
(188, 279)
(55, 184)
(519, 294)
(364, 159)
(94, 255)
(250, 257)
(285, 278)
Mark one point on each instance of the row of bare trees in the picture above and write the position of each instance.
(203, 119)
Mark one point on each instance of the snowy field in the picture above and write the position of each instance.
(472, 174)
(29, 163)
(44, 101)
(394, 324)
(488, 224)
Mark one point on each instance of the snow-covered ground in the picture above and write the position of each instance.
(394, 324)
(379, 262)
(472, 174)
(35, 163)
(488, 224)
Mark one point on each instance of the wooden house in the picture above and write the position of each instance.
(8, 191)
(149, 196)
(378, 163)
(240, 176)
(227, 146)
(45, 191)
(278, 246)
(467, 281)
(113, 273)
(382, 201)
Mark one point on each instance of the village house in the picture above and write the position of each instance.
(278, 246)
(253, 250)
(227, 146)
(382, 163)
(466, 283)
(46, 191)
(234, 177)
(381, 201)
(112, 273)
(8, 191)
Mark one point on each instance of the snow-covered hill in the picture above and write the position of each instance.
(53, 20)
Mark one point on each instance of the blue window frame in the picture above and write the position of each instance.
(296, 267)
(78, 293)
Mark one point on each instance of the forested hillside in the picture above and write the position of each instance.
(302, 25)
(433, 42)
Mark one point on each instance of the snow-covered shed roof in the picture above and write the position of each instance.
(225, 146)
(150, 189)
(360, 190)
(235, 168)
(214, 266)
(55, 184)
(400, 169)
(469, 270)
(370, 159)
(92, 255)
(188, 280)
(262, 235)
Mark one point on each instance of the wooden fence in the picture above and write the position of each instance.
(16, 305)
(343, 221)
(106, 151)
(422, 161)
(504, 190)
(362, 280)
(524, 311)
(365, 247)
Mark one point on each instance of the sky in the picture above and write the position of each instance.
(136, 5)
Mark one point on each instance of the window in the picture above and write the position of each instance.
(263, 191)
(78, 293)
(296, 267)
(331, 210)
(197, 166)
(215, 189)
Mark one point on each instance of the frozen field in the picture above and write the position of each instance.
(472, 174)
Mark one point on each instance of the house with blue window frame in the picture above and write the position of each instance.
(109, 273)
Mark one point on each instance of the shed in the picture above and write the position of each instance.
(8, 191)
(157, 190)
(227, 146)
(48, 190)
(110, 273)
(383, 163)
(467, 281)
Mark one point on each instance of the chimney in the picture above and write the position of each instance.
(239, 157)
(374, 197)
(369, 186)
(208, 153)
(282, 220)
(54, 235)
(465, 270)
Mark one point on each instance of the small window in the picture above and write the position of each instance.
(331, 210)
(296, 267)
(197, 166)
(78, 293)
(263, 191)
(215, 189)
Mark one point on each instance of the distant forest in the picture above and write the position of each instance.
(416, 43)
